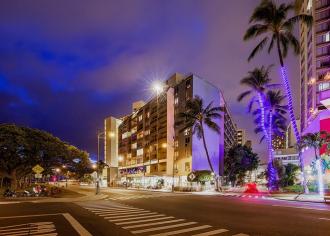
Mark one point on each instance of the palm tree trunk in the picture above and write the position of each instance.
(208, 158)
(291, 113)
(262, 110)
(272, 179)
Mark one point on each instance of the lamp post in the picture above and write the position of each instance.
(157, 87)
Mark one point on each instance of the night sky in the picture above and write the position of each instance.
(66, 65)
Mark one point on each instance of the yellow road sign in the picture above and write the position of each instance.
(37, 169)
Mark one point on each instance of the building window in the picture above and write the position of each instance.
(134, 145)
(187, 140)
(139, 152)
(176, 100)
(186, 131)
(134, 129)
(324, 86)
(176, 155)
(176, 143)
(188, 84)
(140, 118)
(327, 37)
(187, 166)
(148, 114)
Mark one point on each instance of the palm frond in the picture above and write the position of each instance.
(243, 95)
(258, 48)
(254, 31)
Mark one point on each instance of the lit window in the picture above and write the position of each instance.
(134, 130)
(140, 118)
(176, 143)
(176, 101)
(186, 132)
(134, 145)
(139, 152)
(176, 154)
(187, 166)
(327, 37)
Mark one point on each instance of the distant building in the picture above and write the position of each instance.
(152, 146)
(230, 129)
(286, 156)
(278, 142)
(240, 136)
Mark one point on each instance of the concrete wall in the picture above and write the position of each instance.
(111, 141)
(170, 132)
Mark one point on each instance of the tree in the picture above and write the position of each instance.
(196, 117)
(238, 161)
(272, 22)
(276, 124)
(21, 148)
(258, 81)
(288, 175)
(316, 141)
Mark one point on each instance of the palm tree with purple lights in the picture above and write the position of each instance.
(276, 125)
(258, 81)
(272, 22)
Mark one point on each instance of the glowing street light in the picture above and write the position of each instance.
(120, 158)
(157, 87)
(94, 166)
(112, 134)
(58, 170)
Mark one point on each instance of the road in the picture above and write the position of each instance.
(127, 212)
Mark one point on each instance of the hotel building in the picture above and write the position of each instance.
(152, 146)
(241, 136)
(315, 76)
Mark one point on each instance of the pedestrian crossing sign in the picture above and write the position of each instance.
(37, 169)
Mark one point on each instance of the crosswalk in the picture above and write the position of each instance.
(139, 221)
(142, 196)
(32, 229)
(253, 196)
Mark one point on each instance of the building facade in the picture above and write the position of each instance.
(278, 142)
(315, 79)
(315, 61)
(230, 131)
(241, 136)
(152, 145)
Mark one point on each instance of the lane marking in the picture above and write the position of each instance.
(241, 234)
(75, 224)
(152, 224)
(6, 203)
(162, 227)
(36, 223)
(142, 221)
(183, 230)
(121, 211)
(136, 218)
(324, 218)
(298, 207)
(128, 216)
(218, 231)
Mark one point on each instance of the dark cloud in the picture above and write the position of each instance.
(65, 65)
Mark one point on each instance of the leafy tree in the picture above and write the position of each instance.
(271, 21)
(21, 148)
(196, 117)
(238, 161)
(288, 175)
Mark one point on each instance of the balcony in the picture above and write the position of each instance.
(324, 98)
(323, 5)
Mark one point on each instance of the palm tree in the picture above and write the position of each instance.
(316, 141)
(272, 22)
(196, 117)
(258, 81)
(276, 124)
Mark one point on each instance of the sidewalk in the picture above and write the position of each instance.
(299, 197)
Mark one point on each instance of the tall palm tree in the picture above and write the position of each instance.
(258, 81)
(276, 125)
(197, 117)
(272, 22)
(316, 141)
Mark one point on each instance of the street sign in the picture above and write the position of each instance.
(37, 169)
(38, 176)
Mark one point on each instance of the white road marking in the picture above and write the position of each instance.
(128, 216)
(298, 207)
(161, 228)
(120, 214)
(6, 203)
(241, 234)
(136, 218)
(217, 231)
(75, 224)
(324, 218)
(152, 224)
(180, 231)
(142, 221)
(114, 209)
(121, 211)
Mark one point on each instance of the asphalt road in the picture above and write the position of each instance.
(149, 213)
